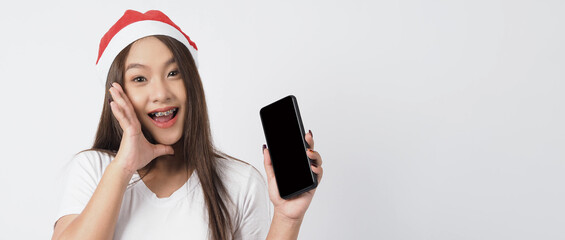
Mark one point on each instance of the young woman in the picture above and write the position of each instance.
(153, 172)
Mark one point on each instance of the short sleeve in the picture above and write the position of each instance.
(79, 180)
(254, 209)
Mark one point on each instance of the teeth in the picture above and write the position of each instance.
(159, 114)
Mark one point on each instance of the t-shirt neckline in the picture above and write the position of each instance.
(180, 193)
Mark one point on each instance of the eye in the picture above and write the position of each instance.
(173, 73)
(139, 79)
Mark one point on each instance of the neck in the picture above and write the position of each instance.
(167, 174)
(168, 164)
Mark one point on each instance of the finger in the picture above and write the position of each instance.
(119, 114)
(319, 171)
(315, 157)
(160, 150)
(120, 108)
(117, 88)
(268, 164)
(117, 96)
(122, 92)
(126, 108)
(309, 139)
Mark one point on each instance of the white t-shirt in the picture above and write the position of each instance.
(182, 215)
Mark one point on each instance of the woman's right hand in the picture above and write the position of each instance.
(135, 151)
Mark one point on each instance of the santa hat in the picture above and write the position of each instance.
(132, 26)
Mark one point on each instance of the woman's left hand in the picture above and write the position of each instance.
(294, 208)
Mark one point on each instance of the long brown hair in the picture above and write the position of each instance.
(199, 151)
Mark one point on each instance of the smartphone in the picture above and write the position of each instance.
(284, 133)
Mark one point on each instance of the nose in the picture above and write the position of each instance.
(160, 91)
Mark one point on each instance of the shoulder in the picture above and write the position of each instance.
(240, 173)
(242, 181)
(94, 158)
(248, 192)
(80, 178)
(91, 161)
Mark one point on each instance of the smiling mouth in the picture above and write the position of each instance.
(164, 116)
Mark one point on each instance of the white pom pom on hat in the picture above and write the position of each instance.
(134, 25)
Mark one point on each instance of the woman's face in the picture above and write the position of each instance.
(156, 89)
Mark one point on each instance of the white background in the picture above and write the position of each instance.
(435, 119)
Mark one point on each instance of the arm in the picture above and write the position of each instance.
(288, 214)
(99, 217)
(283, 227)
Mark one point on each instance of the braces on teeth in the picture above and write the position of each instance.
(159, 114)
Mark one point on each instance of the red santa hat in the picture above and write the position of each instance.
(132, 26)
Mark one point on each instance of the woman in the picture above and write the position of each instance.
(153, 172)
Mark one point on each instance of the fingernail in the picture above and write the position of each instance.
(264, 146)
(310, 150)
(310, 131)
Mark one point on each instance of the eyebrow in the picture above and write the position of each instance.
(139, 65)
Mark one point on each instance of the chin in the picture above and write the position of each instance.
(167, 140)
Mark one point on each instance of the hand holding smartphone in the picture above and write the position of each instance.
(284, 134)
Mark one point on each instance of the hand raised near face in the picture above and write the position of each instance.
(135, 151)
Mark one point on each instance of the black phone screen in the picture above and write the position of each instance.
(284, 133)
